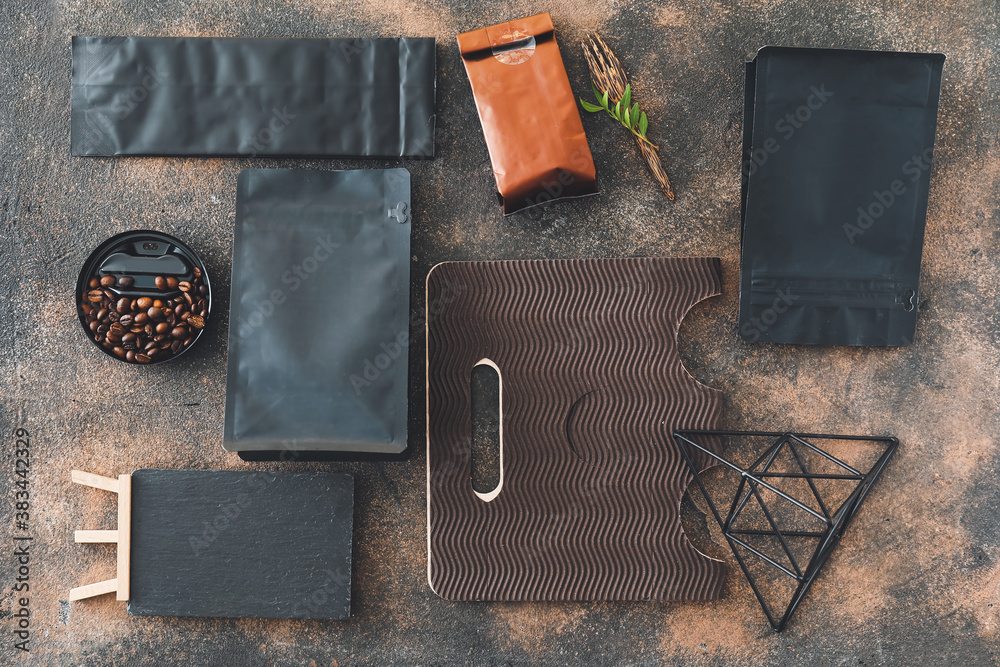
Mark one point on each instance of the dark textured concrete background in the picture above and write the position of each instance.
(915, 580)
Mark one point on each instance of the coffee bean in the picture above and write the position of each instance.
(143, 329)
(197, 272)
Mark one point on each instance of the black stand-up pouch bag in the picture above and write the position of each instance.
(319, 320)
(837, 149)
(197, 96)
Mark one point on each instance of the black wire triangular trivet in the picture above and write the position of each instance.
(754, 477)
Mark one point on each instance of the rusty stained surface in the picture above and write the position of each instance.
(916, 580)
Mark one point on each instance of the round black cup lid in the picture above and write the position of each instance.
(144, 257)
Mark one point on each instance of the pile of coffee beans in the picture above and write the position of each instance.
(145, 329)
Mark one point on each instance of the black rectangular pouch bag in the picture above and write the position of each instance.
(319, 316)
(200, 96)
(837, 150)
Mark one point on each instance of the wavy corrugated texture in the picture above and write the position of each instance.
(593, 388)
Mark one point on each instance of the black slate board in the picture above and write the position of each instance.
(241, 544)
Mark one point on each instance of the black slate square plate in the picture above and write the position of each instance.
(241, 544)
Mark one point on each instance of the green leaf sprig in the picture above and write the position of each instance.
(632, 118)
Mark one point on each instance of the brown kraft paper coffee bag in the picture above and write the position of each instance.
(533, 131)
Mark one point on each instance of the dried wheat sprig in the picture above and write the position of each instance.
(614, 95)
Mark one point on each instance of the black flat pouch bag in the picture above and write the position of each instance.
(837, 150)
(319, 319)
(195, 96)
